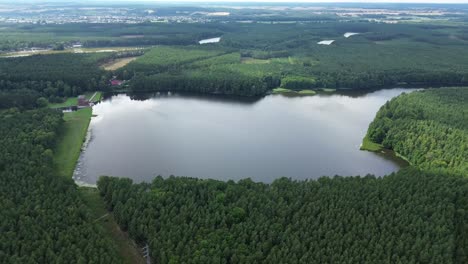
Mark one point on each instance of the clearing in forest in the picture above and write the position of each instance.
(117, 63)
(249, 60)
(70, 141)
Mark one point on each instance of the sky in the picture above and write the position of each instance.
(327, 1)
(314, 1)
(257, 1)
(252, 1)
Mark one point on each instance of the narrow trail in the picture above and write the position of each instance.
(101, 218)
(91, 99)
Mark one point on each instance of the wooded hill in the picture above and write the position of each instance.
(429, 128)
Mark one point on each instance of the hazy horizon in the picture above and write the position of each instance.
(247, 1)
(295, 1)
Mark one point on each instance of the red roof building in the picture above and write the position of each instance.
(116, 82)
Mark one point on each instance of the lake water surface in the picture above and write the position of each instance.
(222, 138)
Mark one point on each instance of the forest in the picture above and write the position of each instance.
(287, 55)
(22, 36)
(254, 57)
(79, 70)
(23, 80)
(429, 128)
(407, 217)
(43, 219)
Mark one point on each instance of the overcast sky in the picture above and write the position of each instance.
(327, 1)
(247, 1)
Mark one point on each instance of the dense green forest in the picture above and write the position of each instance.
(24, 80)
(408, 217)
(43, 219)
(429, 128)
(20, 36)
(288, 55)
(79, 70)
(354, 66)
(258, 56)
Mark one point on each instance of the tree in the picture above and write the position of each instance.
(42, 102)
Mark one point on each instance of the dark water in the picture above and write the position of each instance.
(210, 137)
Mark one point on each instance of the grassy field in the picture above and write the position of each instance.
(281, 91)
(96, 98)
(254, 61)
(292, 92)
(117, 63)
(126, 247)
(307, 92)
(368, 145)
(328, 90)
(72, 101)
(66, 155)
(71, 139)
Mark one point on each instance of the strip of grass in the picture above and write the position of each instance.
(292, 92)
(281, 91)
(98, 97)
(328, 90)
(72, 101)
(117, 63)
(70, 141)
(126, 247)
(254, 61)
(368, 145)
(94, 99)
(66, 155)
(307, 92)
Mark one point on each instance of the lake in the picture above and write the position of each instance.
(223, 138)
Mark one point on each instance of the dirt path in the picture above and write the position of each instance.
(126, 247)
(91, 99)
(101, 217)
(117, 63)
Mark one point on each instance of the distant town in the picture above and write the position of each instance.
(55, 13)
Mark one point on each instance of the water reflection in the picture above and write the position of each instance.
(231, 138)
(207, 97)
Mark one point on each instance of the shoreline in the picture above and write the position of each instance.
(72, 138)
(316, 91)
(76, 136)
(370, 146)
